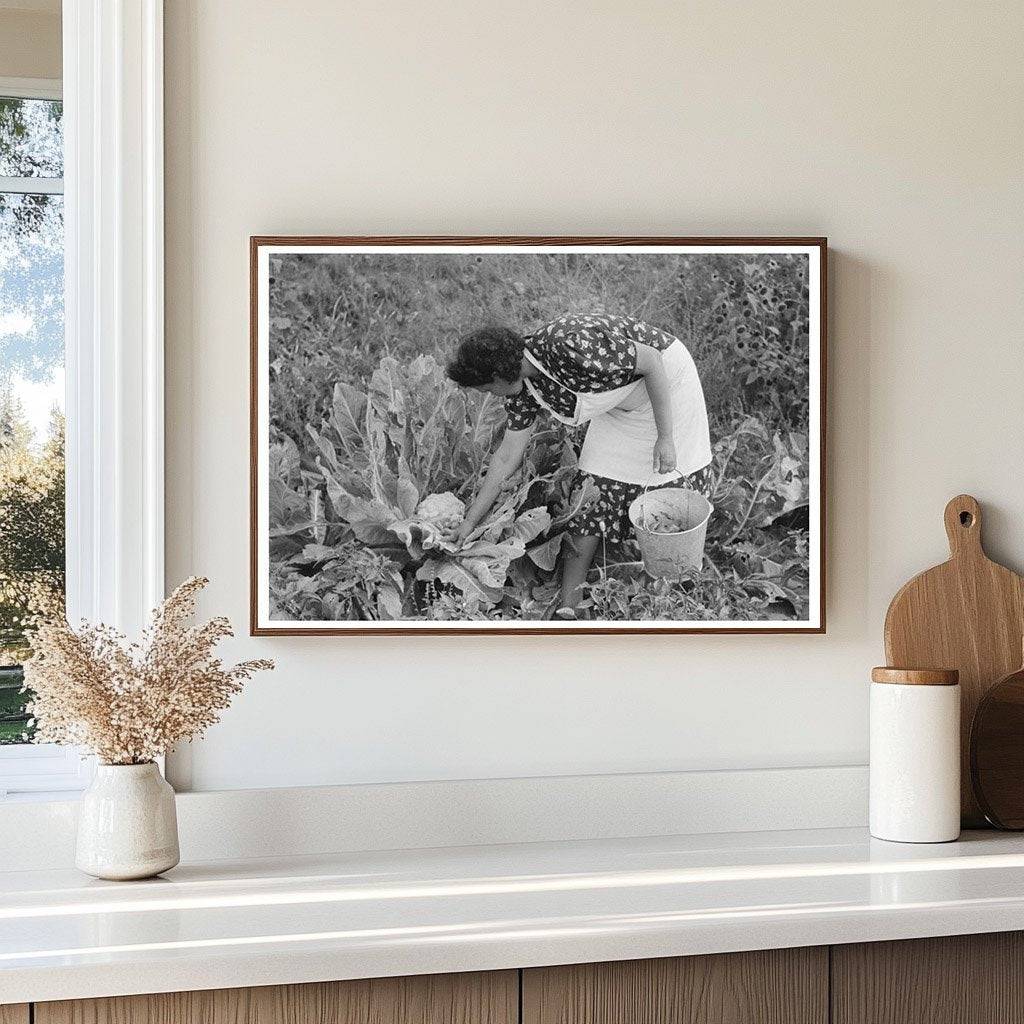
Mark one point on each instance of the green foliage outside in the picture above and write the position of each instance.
(31, 549)
(364, 427)
(31, 348)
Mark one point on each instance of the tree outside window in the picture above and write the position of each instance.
(31, 387)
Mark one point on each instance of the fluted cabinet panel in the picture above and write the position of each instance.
(777, 986)
(490, 998)
(960, 979)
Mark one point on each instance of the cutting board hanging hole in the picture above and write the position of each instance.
(963, 525)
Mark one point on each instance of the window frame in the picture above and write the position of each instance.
(36, 768)
(48, 89)
(112, 90)
(32, 88)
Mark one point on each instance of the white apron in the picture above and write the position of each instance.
(620, 439)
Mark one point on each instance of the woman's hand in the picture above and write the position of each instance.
(664, 455)
(505, 462)
(463, 532)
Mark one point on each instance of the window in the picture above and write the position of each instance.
(32, 548)
(108, 206)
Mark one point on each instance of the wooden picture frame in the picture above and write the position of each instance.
(261, 248)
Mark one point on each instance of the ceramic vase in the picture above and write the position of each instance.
(127, 825)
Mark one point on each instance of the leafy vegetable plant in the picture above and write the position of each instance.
(367, 526)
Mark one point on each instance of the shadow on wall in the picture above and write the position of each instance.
(853, 287)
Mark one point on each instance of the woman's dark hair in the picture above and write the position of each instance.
(486, 354)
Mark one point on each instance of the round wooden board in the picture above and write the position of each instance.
(997, 752)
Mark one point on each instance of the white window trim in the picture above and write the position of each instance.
(43, 769)
(32, 186)
(31, 88)
(114, 321)
(113, 170)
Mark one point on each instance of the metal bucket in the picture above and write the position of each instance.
(669, 554)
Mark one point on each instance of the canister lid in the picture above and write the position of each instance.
(916, 676)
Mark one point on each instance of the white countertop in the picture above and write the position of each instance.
(261, 922)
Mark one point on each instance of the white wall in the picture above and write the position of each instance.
(895, 129)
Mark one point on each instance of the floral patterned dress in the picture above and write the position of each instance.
(590, 354)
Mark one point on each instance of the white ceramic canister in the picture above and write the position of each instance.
(127, 825)
(915, 755)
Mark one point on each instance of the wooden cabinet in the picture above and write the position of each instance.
(491, 998)
(778, 986)
(962, 979)
(970, 979)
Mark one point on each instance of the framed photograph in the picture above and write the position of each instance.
(537, 435)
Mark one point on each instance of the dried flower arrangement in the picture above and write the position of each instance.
(129, 703)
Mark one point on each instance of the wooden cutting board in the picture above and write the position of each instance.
(967, 614)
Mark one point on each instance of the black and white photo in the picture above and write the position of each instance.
(537, 435)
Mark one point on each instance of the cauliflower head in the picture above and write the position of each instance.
(444, 510)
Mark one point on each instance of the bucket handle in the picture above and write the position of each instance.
(643, 504)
